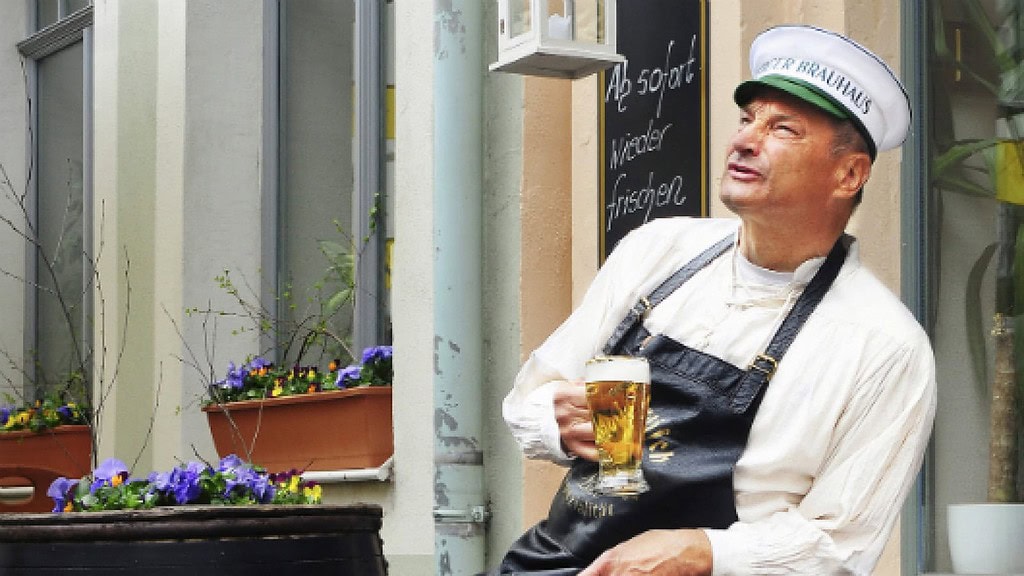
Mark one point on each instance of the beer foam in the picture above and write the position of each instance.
(618, 368)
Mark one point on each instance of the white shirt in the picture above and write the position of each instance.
(842, 429)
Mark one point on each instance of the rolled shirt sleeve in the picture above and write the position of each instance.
(531, 420)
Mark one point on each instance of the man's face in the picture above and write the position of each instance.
(780, 163)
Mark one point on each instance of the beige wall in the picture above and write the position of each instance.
(546, 252)
(179, 145)
(411, 546)
(733, 24)
(170, 162)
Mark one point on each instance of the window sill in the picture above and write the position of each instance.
(380, 474)
(15, 493)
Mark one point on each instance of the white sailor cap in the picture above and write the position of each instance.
(834, 73)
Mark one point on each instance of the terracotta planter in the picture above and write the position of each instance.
(195, 540)
(336, 430)
(35, 459)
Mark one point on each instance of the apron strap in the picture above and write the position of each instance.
(761, 370)
(644, 305)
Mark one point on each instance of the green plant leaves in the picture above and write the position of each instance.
(973, 316)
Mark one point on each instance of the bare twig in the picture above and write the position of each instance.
(152, 417)
(96, 373)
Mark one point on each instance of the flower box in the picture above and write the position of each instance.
(191, 540)
(35, 459)
(334, 430)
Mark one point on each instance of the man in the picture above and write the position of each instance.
(758, 463)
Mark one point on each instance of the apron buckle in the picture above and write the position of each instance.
(769, 370)
(647, 307)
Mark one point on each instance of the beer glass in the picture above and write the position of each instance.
(618, 394)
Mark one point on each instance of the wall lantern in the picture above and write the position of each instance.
(556, 38)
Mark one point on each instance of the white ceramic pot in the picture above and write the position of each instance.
(986, 538)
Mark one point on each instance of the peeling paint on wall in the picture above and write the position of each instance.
(438, 342)
(443, 420)
(437, 356)
(440, 491)
(444, 561)
(449, 29)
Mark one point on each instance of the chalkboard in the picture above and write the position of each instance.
(654, 117)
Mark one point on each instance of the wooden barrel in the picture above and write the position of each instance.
(195, 541)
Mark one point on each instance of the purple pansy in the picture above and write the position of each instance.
(184, 482)
(347, 374)
(246, 478)
(249, 480)
(58, 490)
(160, 481)
(112, 472)
(229, 462)
(190, 483)
(259, 362)
(236, 377)
(376, 353)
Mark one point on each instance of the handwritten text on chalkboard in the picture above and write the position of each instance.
(677, 71)
(652, 129)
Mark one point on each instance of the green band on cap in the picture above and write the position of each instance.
(808, 93)
(802, 90)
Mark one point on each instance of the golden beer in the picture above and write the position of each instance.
(618, 393)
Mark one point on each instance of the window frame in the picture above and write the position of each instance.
(369, 164)
(368, 330)
(915, 544)
(69, 29)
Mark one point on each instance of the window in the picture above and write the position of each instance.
(972, 287)
(332, 224)
(49, 12)
(58, 61)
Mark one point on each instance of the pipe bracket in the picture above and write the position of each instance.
(477, 514)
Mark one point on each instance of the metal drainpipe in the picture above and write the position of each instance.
(460, 511)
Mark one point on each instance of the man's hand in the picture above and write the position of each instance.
(656, 553)
(573, 417)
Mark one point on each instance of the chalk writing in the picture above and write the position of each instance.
(652, 128)
(628, 147)
(650, 81)
(624, 201)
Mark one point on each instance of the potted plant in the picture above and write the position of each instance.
(305, 418)
(39, 442)
(229, 518)
(51, 424)
(991, 168)
(293, 413)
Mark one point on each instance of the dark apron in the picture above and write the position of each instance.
(701, 412)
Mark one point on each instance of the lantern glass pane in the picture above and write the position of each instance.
(590, 20)
(520, 17)
(559, 19)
